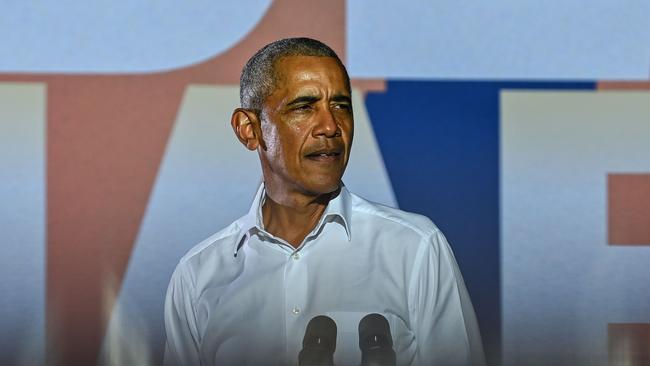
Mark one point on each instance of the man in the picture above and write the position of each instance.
(308, 246)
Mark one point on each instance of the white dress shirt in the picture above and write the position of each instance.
(244, 296)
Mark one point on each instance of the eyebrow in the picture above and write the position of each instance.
(342, 98)
(305, 99)
(308, 99)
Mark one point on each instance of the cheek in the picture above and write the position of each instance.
(282, 145)
(271, 140)
(348, 136)
(350, 133)
(292, 140)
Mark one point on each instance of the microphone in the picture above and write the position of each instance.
(319, 342)
(375, 341)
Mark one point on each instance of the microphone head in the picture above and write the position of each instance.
(374, 333)
(320, 333)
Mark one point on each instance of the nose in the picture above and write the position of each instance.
(326, 124)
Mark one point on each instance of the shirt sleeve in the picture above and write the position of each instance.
(445, 326)
(182, 347)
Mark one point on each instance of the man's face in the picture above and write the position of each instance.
(307, 126)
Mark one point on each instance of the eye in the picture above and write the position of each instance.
(343, 106)
(303, 107)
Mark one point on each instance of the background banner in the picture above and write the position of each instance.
(521, 129)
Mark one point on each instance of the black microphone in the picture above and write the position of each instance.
(375, 341)
(319, 343)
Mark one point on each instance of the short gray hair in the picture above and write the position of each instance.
(258, 77)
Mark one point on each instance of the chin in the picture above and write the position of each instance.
(323, 187)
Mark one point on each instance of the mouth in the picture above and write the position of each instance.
(325, 155)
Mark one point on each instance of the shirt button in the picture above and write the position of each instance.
(295, 256)
(295, 310)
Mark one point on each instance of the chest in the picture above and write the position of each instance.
(267, 307)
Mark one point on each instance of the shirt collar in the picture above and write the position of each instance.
(338, 207)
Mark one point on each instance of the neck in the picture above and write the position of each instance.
(292, 217)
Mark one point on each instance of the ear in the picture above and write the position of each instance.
(245, 124)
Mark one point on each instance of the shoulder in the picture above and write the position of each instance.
(213, 253)
(398, 233)
(392, 218)
(215, 243)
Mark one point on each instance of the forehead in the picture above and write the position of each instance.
(295, 70)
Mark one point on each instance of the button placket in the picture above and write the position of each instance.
(295, 283)
(295, 287)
